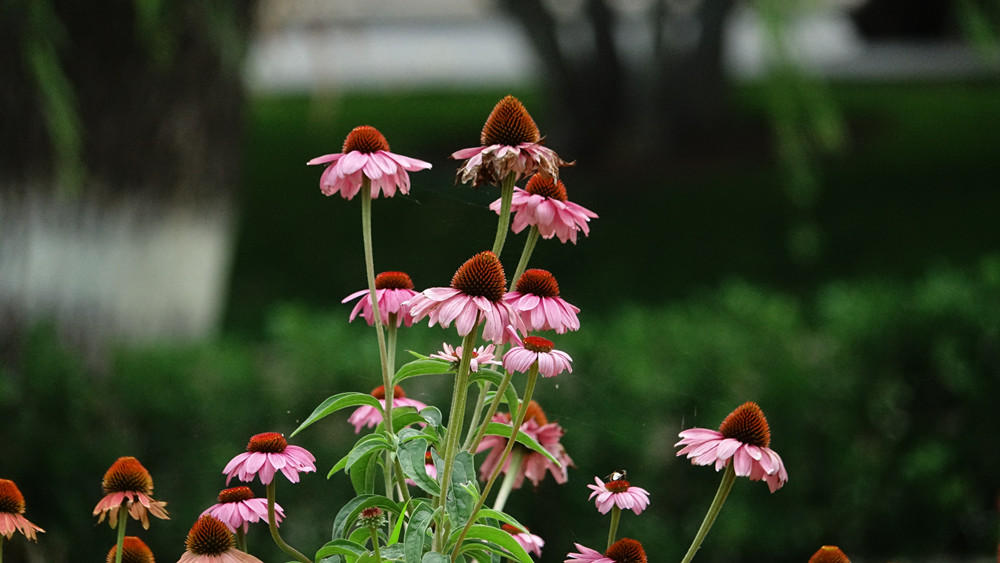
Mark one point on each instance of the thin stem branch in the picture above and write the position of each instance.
(506, 196)
(366, 232)
(728, 478)
(122, 520)
(616, 514)
(272, 524)
(529, 248)
(516, 457)
(501, 389)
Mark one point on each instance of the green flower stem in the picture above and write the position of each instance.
(477, 409)
(501, 389)
(1, 548)
(506, 196)
(241, 539)
(378, 556)
(122, 520)
(366, 231)
(728, 478)
(273, 526)
(456, 419)
(616, 514)
(522, 264)
(516, 457)
(515, 428)
(391, 334)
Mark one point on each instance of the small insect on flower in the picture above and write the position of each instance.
(616, 475)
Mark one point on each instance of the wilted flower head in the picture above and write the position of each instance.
(536, 299)
(134, 550)
(369, 416)
(266, 454)
(128, 485)
(12, 511)
(543, 203)
(392, 290)
(744, 437)
(476, 294)
(238, 508)
(511, 144)
(366, 154)
(210, 541)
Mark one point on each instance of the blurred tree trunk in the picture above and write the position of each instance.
(635, 85)
(119, 163)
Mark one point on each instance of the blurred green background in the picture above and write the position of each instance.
(875, 353)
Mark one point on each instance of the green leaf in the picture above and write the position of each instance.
(363, 476)
(496, 378)
(464, 468)
(435, 557)
(498, 429)
(421, 367)
(489, 513)
(398, 528)
(498, 537)
(462, 499)
(345, 518)
(366, 446)
(411, 455)
(416, 536)
(339, 547)
(337, 402)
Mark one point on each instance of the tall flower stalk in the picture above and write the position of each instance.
(728, 478)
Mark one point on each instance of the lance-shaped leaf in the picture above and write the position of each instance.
(335, 403)
(498, 429)
(421, 367)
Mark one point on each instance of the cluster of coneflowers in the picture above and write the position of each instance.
(419, 497)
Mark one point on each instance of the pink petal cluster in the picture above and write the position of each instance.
(587, 555)
(390, 302)
(554, 218)
(367, 416)
(138, 504)
(386, 171)
(544, 313)
(704, 446)
(481, 356)
(265, 461)
(444, 305)
(620, 494)
(551, 362)
(534, 465)
(495, 162)
(530, 542)
(241, 512)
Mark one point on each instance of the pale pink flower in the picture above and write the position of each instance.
(587, 555)
(536, 299)
(237, 508)
(370, 417)
(744, 437)
(392, 289)
(544, 204)
(533, 465)
(266, 454)
(476, 294)
(127, 485)
(211, 541)
(12, 511)
(366, 154)
(510, 144)
(625, 550)
(530, 542)
(481, 356)
(620, 493)
(551, 362)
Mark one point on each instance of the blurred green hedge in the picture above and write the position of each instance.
(880, 394)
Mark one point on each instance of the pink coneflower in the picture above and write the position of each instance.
(533, 465)
(543, 203)
(743, 437)
(476, 293)
(536, 298)
(267, 453)
(12, 513)
(481, 356)
(210, 541)
(369, 416)
(829, 554)
(618, 492)
(530, 542)
(237, 508)
(128, 485)
(510, 143)
(625, 550)
(392, 289)
(551, 362)
(134, 550)
(366, 153)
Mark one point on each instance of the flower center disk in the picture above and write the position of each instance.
(619, 486)
(209, 536)
(11, 499)
(267, 442)
(366, 139)
(748, 425)
(538, 282)
(481, 276)
(127, 474)
(626, 550)
(509, 124)
(235, 494)
(538, 344)
(535, 412)
(379, 392)
(543, 185)
(393, 280)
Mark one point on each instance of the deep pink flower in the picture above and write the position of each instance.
(743, 437)
(620, 493)
(544, 204)
(476, 294)
(237, 508)
(211, 541)
(481, 356)
(127, 485)
(536, 299)
(534, 465)
(625, 550)
(266, 454)
(530, 542)
(510, 143)
(11, 513)
(587, 555)
(366, 153)
(369, 416)
(551, 362)
(392, 289)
